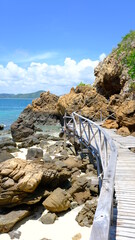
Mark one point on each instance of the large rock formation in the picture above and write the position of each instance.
(42, 111)
(114, 89)
(57, 182)
(20, 180)
(116, 74)
(115, 79)
(84, 100)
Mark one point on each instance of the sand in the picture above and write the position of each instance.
(65, 228)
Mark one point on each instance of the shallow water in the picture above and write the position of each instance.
(10, 110)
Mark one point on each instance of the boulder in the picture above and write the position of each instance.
(29, 142)
(34, 153)
(86, 215)
(19, 179)
(4, 155)
(110, 124)
(8, 220)
(123, 131)
(43, 144)
(73, 162)
(25, 181)
(48, 218)
(125, 115)
(43, 111)
(6, 142)
(47, 158)
(58, 201)
(84, 100)
(1, 127)
(81, 197)
(107, 81)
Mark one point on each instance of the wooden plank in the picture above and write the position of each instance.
(124, 183)
(123, 238)
(128, 217)
(121, 229)
(125, 234)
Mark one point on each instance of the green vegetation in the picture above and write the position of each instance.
(26, 95)
(126, 53)
(81, 84)
(132, 86)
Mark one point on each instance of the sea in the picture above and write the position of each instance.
(10, 110)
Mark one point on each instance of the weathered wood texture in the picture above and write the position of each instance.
(124, 215)
(96, 140)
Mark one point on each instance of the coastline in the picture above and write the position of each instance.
(58, 230)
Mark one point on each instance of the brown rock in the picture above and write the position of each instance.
(21, 179)
(85, 100)
(7, 221)
(48, 218)
(126, 114)
(124, 131)
(78, 236)
(86, 215)
(58, 201)
(107, 74)
(81, 197)
(110, 124)
(18, 179)
(73, 162)
(42, 111)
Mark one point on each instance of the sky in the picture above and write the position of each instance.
(56, 44)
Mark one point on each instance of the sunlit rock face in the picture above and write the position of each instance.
(43, 111)
(84, 100)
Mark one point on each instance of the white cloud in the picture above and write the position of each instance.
(102, 56)
(42, 76)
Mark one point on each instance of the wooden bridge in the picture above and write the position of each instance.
(115, 213)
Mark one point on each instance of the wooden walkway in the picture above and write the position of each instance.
(124, 213)
(116, 171)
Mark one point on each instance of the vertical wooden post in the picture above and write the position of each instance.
(65, 122)
(74, 130)
(80, 128)
(89, 133)
(112, 213)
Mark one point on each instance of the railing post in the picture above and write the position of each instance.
(80, 128)
(65, 122)
(74, 130)
(89, 133)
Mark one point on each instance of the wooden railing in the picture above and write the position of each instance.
(100, 144)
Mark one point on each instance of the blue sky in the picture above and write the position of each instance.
(55, 44)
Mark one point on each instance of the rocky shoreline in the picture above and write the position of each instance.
(39, 171)
(35, 168)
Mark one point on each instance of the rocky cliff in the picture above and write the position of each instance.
(115, 79)
(112, 93)
(42, 111)
(85, 100)
(116, 74)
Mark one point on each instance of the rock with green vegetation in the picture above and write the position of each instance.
(116, 74)
(115, 80)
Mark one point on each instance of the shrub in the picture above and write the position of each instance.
(132, 86)
(81, 84)
(126, 52)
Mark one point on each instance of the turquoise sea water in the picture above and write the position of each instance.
(10, 110)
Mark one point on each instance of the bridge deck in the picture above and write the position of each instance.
(116, 163)
(124, 214)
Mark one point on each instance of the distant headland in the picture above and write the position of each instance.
(20, 95)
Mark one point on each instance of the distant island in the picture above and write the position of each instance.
(20, 95)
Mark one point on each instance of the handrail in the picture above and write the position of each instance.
(92, 136)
